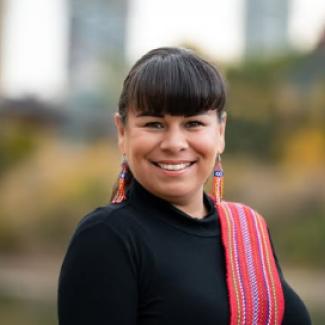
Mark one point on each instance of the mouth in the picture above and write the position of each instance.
(173, 166)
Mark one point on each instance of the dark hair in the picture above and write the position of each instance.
(173, 81)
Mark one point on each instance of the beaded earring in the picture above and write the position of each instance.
(217, 183)
(123, 179)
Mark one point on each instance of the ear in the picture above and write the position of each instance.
(221, 132)
(120, 127)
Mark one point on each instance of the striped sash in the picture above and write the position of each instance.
(254, 287)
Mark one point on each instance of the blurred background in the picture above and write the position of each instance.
(62, 63)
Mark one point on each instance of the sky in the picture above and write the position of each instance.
(34, 58)
(214, 25)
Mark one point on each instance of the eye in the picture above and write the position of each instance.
(154, 125)
(194, 124)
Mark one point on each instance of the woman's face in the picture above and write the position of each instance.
(171, 156)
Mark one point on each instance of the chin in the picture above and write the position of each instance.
(175, 191)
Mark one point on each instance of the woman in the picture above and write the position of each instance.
(164, 252)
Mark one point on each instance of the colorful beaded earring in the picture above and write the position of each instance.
(217, 183)
(122, 182)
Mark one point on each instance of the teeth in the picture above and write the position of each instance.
(174, 166)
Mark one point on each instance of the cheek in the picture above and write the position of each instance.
(206, 145)
(139, 145)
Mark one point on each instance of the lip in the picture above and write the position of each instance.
(173, 162)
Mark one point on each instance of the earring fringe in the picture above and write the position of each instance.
(218, 181)
(120, 194)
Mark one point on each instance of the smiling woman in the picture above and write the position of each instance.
(164, 252)
(176, 119)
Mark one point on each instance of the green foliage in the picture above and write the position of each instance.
(17, 143)
(251, 138)
(44, 199)
(300, 239)
(15, 311)
(268, 103)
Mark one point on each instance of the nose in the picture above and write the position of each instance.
(174, 140)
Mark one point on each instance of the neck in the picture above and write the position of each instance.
(194, 207)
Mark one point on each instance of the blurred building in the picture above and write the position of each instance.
(96, 57)
(266, 27)
(33, 53)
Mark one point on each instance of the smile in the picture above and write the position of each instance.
(174, 166)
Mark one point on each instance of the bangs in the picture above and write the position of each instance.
(178, 84)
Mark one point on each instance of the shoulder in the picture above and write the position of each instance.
(111, 228)
(240, 211)
(118, 220)
(111, 215)
(239, 207)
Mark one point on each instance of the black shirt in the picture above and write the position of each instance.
(145, 262)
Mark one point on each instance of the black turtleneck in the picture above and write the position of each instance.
(145, 262)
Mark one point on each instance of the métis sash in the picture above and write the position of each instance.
(253, 282)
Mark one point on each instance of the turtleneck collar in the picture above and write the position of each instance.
(148, 203)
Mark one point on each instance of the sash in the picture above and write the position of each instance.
(254, 286)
